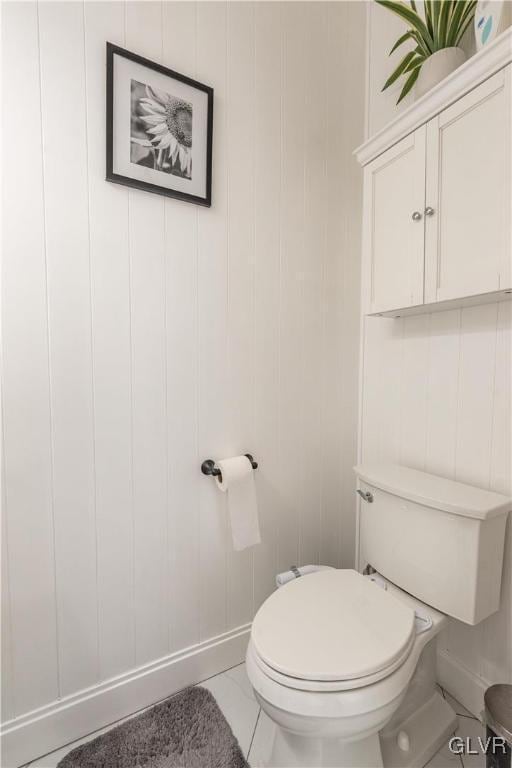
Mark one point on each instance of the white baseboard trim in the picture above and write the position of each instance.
(44, 730)
(461, 683)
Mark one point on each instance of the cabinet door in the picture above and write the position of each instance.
(468, 189)
(394, 225)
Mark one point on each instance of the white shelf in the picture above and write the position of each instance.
(443, 306)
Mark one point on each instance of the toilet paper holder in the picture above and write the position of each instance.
(208, 466)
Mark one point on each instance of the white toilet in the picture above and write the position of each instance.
(344, 664)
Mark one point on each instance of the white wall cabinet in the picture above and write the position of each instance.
(437, 208)
(468, 188)
(394, 198)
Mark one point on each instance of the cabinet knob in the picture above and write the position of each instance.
(429, 211)
(416, 216)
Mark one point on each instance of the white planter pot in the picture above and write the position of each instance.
(437, 67)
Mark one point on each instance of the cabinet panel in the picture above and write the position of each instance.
(394, 190)
(468, 187)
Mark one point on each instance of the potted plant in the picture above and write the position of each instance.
(436, 37)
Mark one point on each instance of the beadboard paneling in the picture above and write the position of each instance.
(292, 276)
(111, 360)
(240, 137)
(146, 228)
(142, 334)
(267, 276)
(315, 248)
(436, 396)
(213, 405)
(340, 304)
(436, 391)
(70, 345)
(26, 398)
(181, 304)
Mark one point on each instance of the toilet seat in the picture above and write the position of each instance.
(331, 631)
(327, 686)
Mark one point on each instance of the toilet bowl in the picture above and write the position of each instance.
(332, 658)
(343, 664)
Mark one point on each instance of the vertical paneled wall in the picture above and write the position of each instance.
(142, 335)
(436, 397)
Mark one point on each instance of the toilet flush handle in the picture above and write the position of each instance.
(366, 495)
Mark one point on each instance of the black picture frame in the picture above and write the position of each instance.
(115, 50)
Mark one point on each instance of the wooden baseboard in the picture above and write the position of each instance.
(44, 730)
(461, 683)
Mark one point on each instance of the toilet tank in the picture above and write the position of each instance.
(440, 540)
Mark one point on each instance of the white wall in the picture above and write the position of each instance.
(142, 335)
(383, 29)
(436, 396)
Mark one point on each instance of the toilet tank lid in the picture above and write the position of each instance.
(434, 491)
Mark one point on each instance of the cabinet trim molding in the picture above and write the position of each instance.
(474, 71)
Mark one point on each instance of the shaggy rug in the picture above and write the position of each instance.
(187, 730)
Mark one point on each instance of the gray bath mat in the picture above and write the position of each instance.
(187, 730)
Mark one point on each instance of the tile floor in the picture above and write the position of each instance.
(253, 729)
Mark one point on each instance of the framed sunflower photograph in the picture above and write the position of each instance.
(159, 128)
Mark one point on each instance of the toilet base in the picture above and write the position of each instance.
(424, 718)
(427, 729)
(290, 750)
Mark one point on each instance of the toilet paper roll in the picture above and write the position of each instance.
(238, 483)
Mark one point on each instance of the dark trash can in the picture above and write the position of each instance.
(498, 717)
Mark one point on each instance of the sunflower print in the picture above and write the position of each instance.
(161, 131)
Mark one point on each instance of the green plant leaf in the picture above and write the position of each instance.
(443, 22)
(453, 23)
(410, 17)
(465, 24)
(400, 69)
(435, 8)
(414, 63)
(406, 36)
(428, 16)
(409, 83)
(462, 10)
(426, 51)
